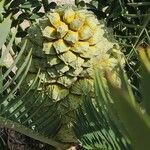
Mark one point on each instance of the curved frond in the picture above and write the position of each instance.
(95, 126)
(26, 112)
(117, 112)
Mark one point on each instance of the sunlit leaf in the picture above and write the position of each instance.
(4, 30)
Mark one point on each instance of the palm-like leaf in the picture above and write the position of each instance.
(132, 113)
(95, 126)
(131, 117)
(18, 110)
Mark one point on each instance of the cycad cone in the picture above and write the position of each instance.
(66, 44)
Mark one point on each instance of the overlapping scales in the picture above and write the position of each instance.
(66, 45)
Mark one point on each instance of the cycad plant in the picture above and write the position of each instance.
(52, 70)
(115, 111)
(67, 44)
(54, 66)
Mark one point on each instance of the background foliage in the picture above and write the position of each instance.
(130, 21)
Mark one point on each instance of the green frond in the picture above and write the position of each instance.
(95, 126)
(4, 30)
(118, 111)
(145, 80)
(25, 112)
(134, 116)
